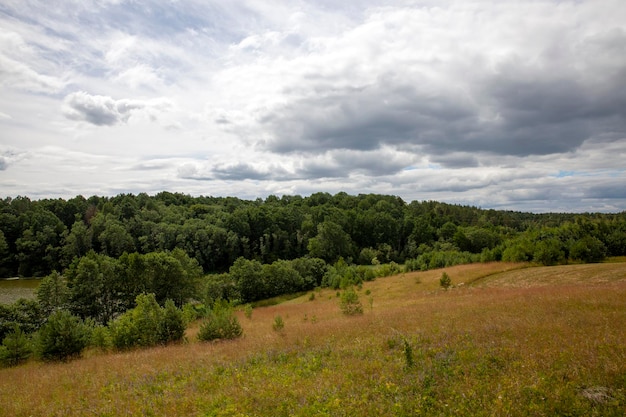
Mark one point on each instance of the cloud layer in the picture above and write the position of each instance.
(518, 105)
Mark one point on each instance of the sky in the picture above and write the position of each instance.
(516, 105)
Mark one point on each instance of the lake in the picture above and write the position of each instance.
(13, 289)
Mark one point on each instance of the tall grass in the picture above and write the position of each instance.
(528, 350)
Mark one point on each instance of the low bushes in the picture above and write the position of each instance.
(350, 304)
(147, 324)
(62, 337)
(220, 323)
(16, 348)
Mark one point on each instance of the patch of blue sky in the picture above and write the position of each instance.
(607, 173)
(162, 20)
(563, 174)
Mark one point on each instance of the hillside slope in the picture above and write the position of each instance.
(510, 341)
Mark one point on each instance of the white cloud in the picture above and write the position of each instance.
(140, 76)
(104, 110)
(16, 73)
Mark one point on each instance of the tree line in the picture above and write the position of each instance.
(38, 237)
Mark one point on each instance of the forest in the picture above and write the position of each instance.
(102, 258)
(38, 237)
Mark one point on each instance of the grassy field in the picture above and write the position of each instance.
(509, 341)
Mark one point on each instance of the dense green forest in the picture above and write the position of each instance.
(100, 255)
(37, 237)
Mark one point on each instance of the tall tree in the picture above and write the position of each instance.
(331, 242)
(96, 287)
(53, 293)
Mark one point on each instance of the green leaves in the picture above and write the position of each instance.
(220, 323)
(350, 303)
(445, 281)
(331, 242)
(63, 337)
(53, 293)
(102, 287)
(16, 348)
(147, 324)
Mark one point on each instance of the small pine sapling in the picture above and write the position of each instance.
(445, 281)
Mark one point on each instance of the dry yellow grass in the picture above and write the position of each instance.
(557, 275)
(489, 348)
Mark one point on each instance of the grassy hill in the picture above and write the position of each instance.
(506, 340)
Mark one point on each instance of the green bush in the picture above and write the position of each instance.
(279, 324)
(62, 337)
(147, 324)
(247, 311)
(25, 313)
(124, 333)
(192, 312)
(445, 281)
(100, 337)
(172, 325)
(16, 348)
(138, 326)
(388, 270)
(350, 303)
(588, 249)
(220, 323)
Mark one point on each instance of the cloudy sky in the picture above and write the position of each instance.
(515, 104)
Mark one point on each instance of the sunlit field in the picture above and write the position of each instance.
(506, 340)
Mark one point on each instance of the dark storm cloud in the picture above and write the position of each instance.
(613, 189)
(455, 160)
(364, 118)
(531, 118)
(232, 172)
(242, 171)
(343, 163)
(523, 106)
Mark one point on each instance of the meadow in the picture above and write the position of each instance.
(507, 340)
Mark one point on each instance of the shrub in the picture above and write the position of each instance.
(147, 324)
(413, 265)
(138, 326)
(247, 311)
(16, 348)
(123, 331)
(100, 337)
(279, 324)
(588, 249)
(548, 252)
(25, 313)
(350, 303)
(63, 337)
(445, 281)
(220, 323)
(388, 270)
(191, 312)
(172, 324)
(366, 273)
